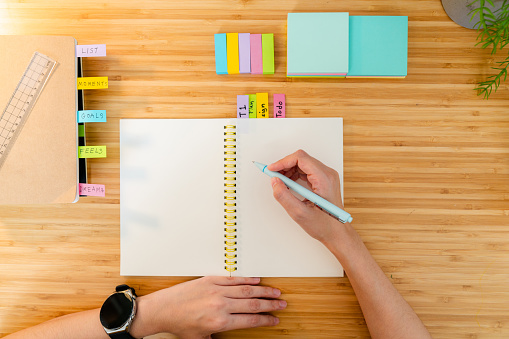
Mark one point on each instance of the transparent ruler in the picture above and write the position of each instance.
(22, 101)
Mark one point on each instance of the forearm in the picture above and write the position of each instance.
(84, 325)
(387, 314)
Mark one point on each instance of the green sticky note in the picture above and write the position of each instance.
(91, 151)
(252, 105)
(268, 53)
(81, 130)
(317, 44)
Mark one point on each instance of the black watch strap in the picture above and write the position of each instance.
(124, 287)
(123, 335)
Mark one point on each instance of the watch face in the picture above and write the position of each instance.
(116, 310)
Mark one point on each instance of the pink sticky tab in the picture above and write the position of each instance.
(90, 50)
(92, 190)
(256, 54)
(279, 106)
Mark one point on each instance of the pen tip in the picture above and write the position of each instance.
(252, 162)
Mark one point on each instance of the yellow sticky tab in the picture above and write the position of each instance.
(92, 82)
(232, 52)
(91, 151)
(262, 105)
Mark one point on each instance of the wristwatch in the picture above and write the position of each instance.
(118, 312)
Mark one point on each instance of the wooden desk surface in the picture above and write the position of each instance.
(426, 162)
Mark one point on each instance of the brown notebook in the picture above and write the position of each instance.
(41, 166)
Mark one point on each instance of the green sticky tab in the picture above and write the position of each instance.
(252, 105)
(268, 53)
(81, 131)
(91, 151)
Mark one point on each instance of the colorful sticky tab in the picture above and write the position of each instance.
(81, 131)
(252, 106)
(221, 59)
(90, 50)
(93, 83)
(232, 52)
(262, 104)
(279, 106)
(91, 151)
(242, 106)
(94, 115)
(244, 52)
(268, 53)
(92, 190)
(256, 54)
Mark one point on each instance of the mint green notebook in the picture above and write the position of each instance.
(317, 44)
(378, 46)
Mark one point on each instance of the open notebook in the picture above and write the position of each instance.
(173, 178)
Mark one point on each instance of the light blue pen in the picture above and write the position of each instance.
(333, 210)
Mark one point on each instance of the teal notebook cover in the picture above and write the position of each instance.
(317, 43)
(378, 46)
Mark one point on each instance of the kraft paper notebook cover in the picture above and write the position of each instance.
(42, 165)
(172, 197)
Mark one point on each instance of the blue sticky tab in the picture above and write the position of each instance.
(92, 116)
(221, 60)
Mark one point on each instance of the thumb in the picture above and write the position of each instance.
(290, 203)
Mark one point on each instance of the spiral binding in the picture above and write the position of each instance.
(230, 198)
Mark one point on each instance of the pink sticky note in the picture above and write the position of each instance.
(90, 50)
(92, 190)
(256, 54)
(245, 53)
(242, 106)
(279, 106)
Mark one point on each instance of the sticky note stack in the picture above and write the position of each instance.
(317, 44)
(339, 45)
(378, 46)
(244, 53)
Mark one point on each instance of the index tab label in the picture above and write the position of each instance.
(252, 106)
(92, 82)
(279, 106)
(92, 190)
(92, 116)
(90, 50)
(262, 104)
(91, 151)
(242, 106)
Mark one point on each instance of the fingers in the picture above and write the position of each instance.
(282, 194)
(239, 321)
(247, 291)
(255, 305)
(301, 159)
(231, 281)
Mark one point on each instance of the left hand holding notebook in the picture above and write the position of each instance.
(201, 307)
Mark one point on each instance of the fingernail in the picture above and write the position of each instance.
(276, 321)
(257, 279)
(282, 303)
(276, 292)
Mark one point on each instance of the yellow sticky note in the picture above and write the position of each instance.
(91, 151)
(232, 52)
(92, 82)
(262, 105)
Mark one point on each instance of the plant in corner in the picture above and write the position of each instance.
(493, 28)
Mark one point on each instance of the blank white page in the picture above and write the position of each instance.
(171, 201)
(270, 243)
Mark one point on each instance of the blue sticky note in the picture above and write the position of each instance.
(317, 44)
(221, 59)
(92, 116)
(378, 46)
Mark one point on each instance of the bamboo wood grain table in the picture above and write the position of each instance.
(426, 162)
